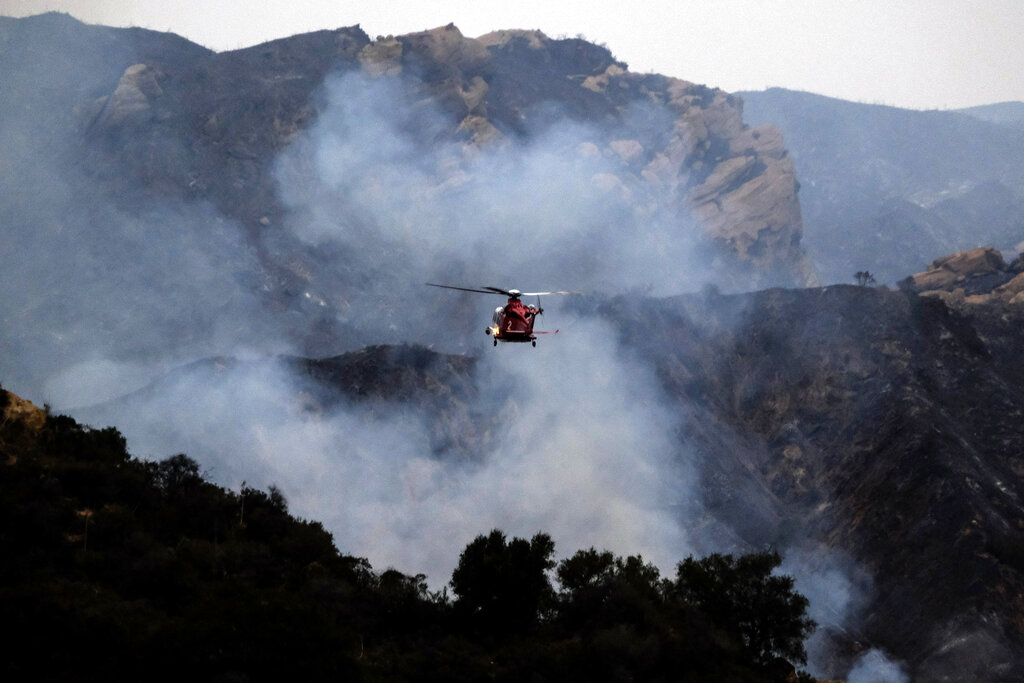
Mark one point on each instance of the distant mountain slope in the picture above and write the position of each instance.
(1004, 113)
(888, 190)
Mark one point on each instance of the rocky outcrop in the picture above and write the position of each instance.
(973, 276)
(749, 200)
(132, 100)
(738, 182)
(21, 422)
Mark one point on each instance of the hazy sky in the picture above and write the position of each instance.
(910, 53)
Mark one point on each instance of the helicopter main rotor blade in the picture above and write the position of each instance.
(464, 289)
(499, 290)
(575, 291)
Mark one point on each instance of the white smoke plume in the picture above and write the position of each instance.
(98, 297)
(839, 590)
(874, 667)
(582, 449)
(374, 180)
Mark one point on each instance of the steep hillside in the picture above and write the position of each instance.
(888, 190)
(872, 436)
(880, 423)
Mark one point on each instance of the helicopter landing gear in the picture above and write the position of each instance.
(534, 344)
(495, 341)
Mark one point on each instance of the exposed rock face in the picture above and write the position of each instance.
(21, 420)
(198, 125)
(738, 181)
(1012, 290)
(973, 276)
(750, 199)
(18, 409)
(131, 100)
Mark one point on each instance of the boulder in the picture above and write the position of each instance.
(27, 413)
(946, 272)
(1011, 289)
(972, 261)
(972, 276)
(22, 422)
(131, 101)
(382, 57)
(600, 82)
(535, 39)
(446, 45)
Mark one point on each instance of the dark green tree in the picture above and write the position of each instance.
(586, 571)
(598, 588)
(178, 475)
(743, 598)
(864, 278)
(502, 586)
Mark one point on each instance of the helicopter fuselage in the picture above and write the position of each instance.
(513, 322)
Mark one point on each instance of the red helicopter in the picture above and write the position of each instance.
(512, 322)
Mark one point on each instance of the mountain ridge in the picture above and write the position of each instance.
(217, 123)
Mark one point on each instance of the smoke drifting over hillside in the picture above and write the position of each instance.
(874, 666)
(374, 179)
(100, 298)
(578, 446)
